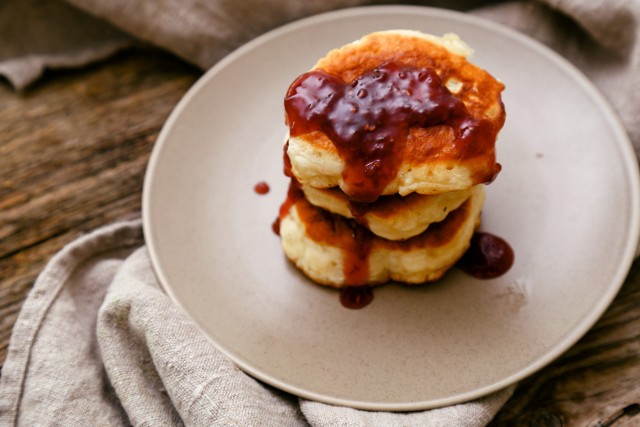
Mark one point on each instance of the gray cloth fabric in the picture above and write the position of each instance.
(97, 342)
(35, 35)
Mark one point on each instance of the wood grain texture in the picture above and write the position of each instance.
(73, 152)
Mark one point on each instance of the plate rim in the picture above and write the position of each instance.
(622, 143)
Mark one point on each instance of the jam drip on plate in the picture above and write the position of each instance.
(356, 297)
(261, 188)
(488, 256)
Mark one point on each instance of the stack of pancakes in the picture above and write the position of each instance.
(391, 140)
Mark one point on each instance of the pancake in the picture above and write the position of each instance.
(334, 251)
(450, 148)
(390, 217)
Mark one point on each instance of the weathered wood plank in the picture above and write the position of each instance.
(73, 152)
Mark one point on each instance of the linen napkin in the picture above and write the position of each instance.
(98, 342)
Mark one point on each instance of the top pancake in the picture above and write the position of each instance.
(432, 159)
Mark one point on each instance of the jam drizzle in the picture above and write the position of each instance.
(294, 193)
(368, 120)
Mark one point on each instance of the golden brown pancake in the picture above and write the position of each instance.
(334, 251)
(431, 159)
(391, 217)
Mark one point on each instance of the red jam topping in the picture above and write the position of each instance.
(368, 120)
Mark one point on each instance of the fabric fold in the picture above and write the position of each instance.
(50, 34)
(97, 341)
(164, 372)
(53, 366)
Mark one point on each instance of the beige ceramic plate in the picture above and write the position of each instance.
(567, 201)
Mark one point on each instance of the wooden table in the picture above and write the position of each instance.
(73, 152)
